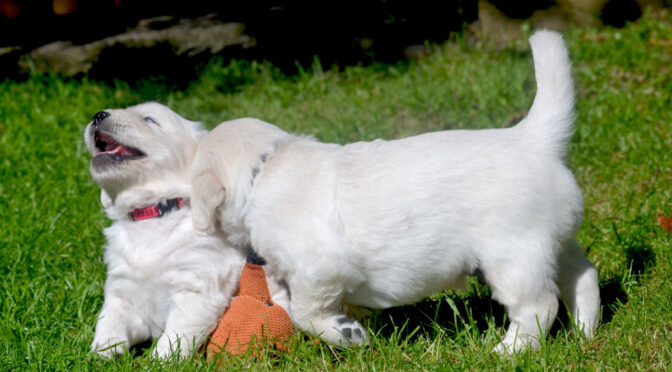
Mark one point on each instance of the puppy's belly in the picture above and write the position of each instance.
(388, 291)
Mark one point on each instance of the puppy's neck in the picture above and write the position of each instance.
(142, 196)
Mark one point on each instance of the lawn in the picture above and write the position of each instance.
(51, 270)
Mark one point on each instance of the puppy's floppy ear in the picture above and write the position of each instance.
(196, 128)
(105, 199)
(207, 193)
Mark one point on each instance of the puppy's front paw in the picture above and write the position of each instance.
(162, 352)
(512, 345)
(109, 348)
(167, 347)
(503, 349)
(202, 225)
(350, 331)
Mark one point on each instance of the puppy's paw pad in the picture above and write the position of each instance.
(352, 331)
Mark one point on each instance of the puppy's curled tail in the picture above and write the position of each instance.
(550, 121)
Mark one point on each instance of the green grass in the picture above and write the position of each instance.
(51, 270)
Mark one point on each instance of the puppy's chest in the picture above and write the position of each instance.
(150, 252)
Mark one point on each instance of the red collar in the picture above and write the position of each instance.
(156, 210)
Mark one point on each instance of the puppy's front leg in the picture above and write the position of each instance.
(191, 319)
(317, 311)
(277, 287)
(117, 328)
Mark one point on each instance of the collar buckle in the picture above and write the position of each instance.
(157, 210)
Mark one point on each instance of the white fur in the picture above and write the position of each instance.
(163, 279)
(386, 223)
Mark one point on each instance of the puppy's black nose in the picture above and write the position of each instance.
(97, 118)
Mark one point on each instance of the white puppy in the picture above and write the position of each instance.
(386, 223)
(163, 279)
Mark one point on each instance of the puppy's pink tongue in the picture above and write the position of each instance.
(123, 150)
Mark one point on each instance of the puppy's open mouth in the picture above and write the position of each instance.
(112, 151)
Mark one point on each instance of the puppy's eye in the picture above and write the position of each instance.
(151, 121)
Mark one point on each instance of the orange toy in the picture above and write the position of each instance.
(252, 319)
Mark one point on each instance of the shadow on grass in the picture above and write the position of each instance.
(453, 313)
(138, 350)
(476, 309)
(639, 259)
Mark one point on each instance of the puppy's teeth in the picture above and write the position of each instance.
(112, 146)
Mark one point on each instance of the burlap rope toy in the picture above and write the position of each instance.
(252, 319)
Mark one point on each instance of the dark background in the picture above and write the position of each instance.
(287, 33)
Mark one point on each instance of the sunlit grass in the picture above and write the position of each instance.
(50, 217)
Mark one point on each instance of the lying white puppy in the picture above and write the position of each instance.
(386, 223)
(163, 279)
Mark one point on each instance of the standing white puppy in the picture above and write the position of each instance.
(386, 223)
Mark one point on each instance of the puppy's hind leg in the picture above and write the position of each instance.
(524, 285)
(207, 193)
(579, 288)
